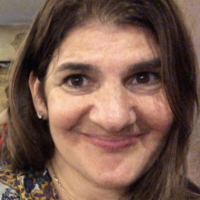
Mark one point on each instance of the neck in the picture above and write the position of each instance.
(71, 186)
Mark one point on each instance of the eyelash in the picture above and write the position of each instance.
(76, 76)
(141, 80)
(152, 78)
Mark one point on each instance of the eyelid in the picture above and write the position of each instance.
(154, 72)
(74, 74)
(86, 88)
(132, 84)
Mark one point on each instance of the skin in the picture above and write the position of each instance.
(109, 122)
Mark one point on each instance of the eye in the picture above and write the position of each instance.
(144, 81)
(77, 80)
(146, 78)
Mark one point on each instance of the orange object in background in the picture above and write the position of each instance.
(1, 140)
(2, 135)
(3, 124)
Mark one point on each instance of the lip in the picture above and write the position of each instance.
(112, 143)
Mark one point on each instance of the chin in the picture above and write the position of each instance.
(118, 182)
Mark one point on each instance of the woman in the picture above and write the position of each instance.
(98, 106)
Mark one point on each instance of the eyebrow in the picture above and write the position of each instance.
(76, 67)
(155, 63)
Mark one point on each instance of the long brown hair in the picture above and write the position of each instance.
(29, 143)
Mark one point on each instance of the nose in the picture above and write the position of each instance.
(113, 109)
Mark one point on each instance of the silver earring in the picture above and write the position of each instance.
(39, 114)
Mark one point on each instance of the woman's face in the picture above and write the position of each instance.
(107, 110)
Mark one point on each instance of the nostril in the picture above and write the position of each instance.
(113, 119)
(112, 108)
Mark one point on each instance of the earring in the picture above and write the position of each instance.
(39, 114)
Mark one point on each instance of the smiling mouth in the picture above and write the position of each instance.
(112, 143)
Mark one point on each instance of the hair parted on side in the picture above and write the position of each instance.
(29, 142)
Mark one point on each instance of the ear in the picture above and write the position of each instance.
(38, 101)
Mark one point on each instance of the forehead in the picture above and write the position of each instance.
(99, 44)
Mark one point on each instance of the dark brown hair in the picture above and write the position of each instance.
(29, 143)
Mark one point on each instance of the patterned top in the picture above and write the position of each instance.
(31, 185)
(26, 185)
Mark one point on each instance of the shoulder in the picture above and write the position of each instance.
(9, 177)
(26, 184)
(9, 185)
(193, 191)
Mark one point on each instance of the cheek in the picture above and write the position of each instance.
(65, 111)
(157, 113)
(158, 119)
(163, 117)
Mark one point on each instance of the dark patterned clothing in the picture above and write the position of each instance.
(26, 185)
(29, 185)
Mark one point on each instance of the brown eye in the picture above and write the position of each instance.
(143, 78)
(79, 84)
(76, 80)
(144, 81)
(146, 78)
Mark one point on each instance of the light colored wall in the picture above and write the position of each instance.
(9, 41)
(191, 10)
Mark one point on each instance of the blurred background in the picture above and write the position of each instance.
(16, 17)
